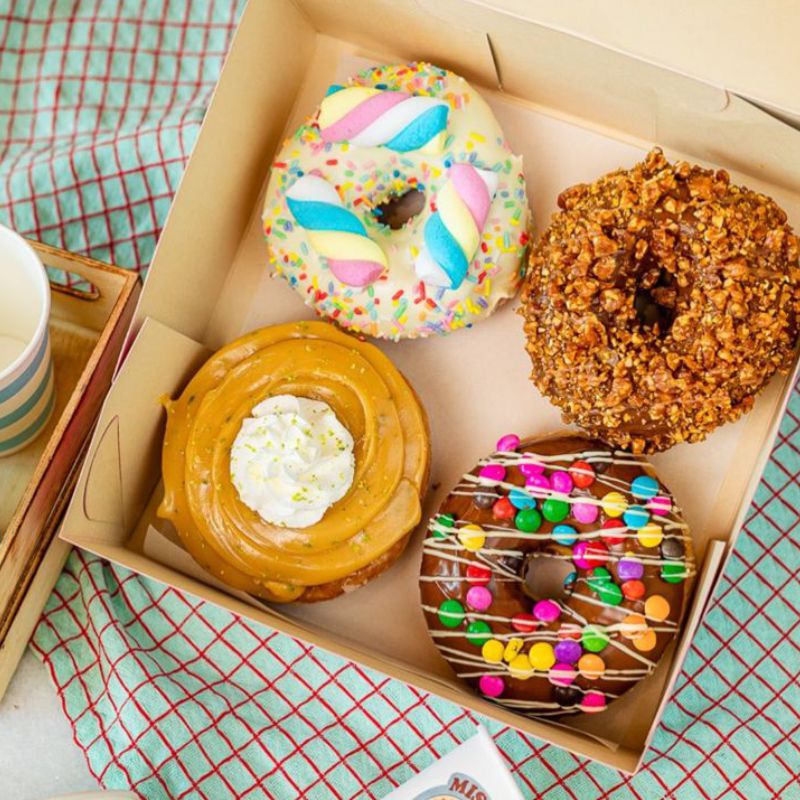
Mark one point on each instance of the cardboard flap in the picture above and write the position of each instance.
(740, 135)
(606, 87)
(747, 49)
(102, 500)
(117, 476)
(445, 32)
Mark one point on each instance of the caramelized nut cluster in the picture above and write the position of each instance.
(659, 302)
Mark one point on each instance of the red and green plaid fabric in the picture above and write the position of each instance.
(100, 102)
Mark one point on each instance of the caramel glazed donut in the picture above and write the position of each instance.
(555, 574)
(294, 463)
(659, 302)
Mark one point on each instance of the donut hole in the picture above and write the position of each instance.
(397, 210)
(548, 575)
(655, 300)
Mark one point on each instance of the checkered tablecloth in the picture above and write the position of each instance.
(100, 102)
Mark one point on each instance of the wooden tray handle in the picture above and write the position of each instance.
(106, 280)
(92, 295)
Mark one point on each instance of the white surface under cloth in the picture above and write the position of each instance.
(38, 757)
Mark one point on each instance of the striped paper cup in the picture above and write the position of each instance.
(27, 391)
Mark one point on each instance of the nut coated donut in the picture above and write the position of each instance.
(294, 463)
(398, 210)
(659, 302)
(555, 574)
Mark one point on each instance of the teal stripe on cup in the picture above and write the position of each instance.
(29, 433)
(27, 383)
(18, 384)
(29, 404)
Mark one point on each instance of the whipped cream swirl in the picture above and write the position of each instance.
(292, 460)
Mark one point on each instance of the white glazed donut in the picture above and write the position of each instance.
(392, 130)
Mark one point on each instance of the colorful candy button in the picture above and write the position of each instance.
(673, 548)
(613, 532)
(591, 666)
(594, 638)
(568, 651)
(493, 472)
(478, 632)
(567, 696)
(562, 674)
(479, 598)
(484, 499)
(636, 517)
(593, 702)
(512, 649)
(520, 667)
(524, 623)
(587, 555)
(529, 468)
(503, 509)
(629, 569)
(528, 520)
(644, 487)
(582, 473)
(633, 626)
(555, 510)
(491, 685)
(610, 593)
(472, 537)
(492, 651)
(541, 656)
(650, 535)
(446, 521)
(660, 506)
(599, 577)
(645, 642)
(508, 443)
(538, 484)
(673, 573)
(656, 607)
(614, 504)
(519, 498)
(451, 613)
(547, 611)
(565, 534)
(478, 575)
(633, 590)
(562, 482)
(601, 583)
(585, 513)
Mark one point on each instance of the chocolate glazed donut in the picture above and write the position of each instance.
(555, 574)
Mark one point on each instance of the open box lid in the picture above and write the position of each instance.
(564, 74)
(744, 49)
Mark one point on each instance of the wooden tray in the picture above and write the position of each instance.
(88, 328)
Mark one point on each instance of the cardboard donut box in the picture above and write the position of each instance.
(575, 108)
